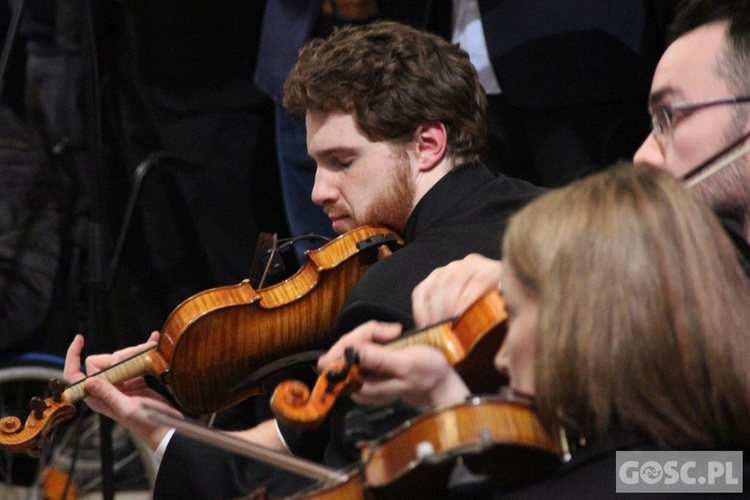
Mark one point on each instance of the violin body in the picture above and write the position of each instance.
(353, 488)
(501, 438)
(221, 343)
(217, 347)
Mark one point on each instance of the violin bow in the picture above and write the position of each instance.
(226, 441)
(717, 162)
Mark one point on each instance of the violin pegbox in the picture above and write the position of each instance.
(44, 415)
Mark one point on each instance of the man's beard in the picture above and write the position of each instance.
(394, 205)
(727, 191)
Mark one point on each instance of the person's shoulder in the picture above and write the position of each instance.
(516, 186)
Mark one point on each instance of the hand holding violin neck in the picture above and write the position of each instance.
(45, 414)
(293, 403)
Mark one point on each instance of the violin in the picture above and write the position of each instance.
(500, 437)
(218, 346)
(482, 324)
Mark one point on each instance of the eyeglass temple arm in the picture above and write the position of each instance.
(702, 171)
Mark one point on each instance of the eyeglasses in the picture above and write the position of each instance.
(662, 120)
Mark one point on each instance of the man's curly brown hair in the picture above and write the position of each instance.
(392, 78)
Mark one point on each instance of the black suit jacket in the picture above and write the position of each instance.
(592, 474)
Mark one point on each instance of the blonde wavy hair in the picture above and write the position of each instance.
(644, 311)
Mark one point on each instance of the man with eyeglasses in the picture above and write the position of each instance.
(700, 103)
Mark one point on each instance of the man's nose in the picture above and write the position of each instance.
(650, 153)
(323, 191)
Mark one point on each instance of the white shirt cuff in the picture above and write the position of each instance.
(162, 448)
(281, 436)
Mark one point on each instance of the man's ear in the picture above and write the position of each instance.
(431, 141)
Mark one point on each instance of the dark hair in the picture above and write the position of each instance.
(692, 14)
(393, 78)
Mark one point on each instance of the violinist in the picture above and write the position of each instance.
(396, 125)
(627, 325)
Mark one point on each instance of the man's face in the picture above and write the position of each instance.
(687, 73)
(358, 181)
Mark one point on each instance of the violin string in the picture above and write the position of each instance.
(110, 367)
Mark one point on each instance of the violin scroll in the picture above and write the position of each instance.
(45, 415)
(294, 404)
(59, 407)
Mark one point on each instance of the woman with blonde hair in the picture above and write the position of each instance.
(629, 326)
(644, 314)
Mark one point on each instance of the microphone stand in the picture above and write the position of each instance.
(97, 312)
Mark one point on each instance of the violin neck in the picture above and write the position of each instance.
(143, 363)
(456, 338)
(440, 336)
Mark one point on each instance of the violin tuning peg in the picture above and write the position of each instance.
(37, 405)
(56, 387)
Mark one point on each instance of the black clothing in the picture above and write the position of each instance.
(464, 212)
(591, 473)
(583, 52)
(289, 24)
(181, 88)
(574, 78)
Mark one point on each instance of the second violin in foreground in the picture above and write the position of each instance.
(468, 342)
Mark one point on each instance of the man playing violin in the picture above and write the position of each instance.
(396, 125)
